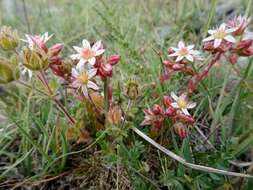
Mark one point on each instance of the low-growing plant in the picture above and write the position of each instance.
(92, 105)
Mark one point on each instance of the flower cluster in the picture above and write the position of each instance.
(179, 58)
(175, 108)
(37, 56)
(91, 64)
(230, 40)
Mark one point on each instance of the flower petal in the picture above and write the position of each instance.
(179, 58)
(92, 73)
(85, 91)
(99, 52)
(174, 105)
(97, 45)
(208, 39)
(86, 43)
(190, 47)
(191, 105)
(74, 72)
(189, 57)
(92, 85)
(92, 60)
(185, 111)
(230, 38)
(174, 96)
(217, 43)
(78, 49)
(80, 64)
(181, 44)
(75, 56)
(173, 54)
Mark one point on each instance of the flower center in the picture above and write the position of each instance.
(83, 78)
(87, 53)
(182, 103)
(220, 34)
(183, 51)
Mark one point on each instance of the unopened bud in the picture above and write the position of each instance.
(8, 71)
(180, 130)
(113, 59)
(33, 60)
(244, 44)
(106, 70)
(114, 116)
(170, 111)
(167, 100)
(8, 38)
(233, 58)
(56, 49)
(246, 52)
(177, 67)
(132, 90)
(157, 109)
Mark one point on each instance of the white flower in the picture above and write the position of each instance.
(182, 103)
(184, 52)
(87, 53)
(221, 33)
(37, 40)
(82, 79)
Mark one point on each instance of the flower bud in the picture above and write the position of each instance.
(106, 70)
(167, 100)
(177, 67)
(180, 130)
(8, 71)
(167, 63)
(132, 90)
(244, 44)
(170, 51)
(164, 77)
(114, 116)
(8, 38)
(55, 60)
(186, 118)
(170, 111)
(157, 109)
(113, 59)
(56, 49)
(208, 46)
(246, 52)
(233, 58)
(33, 60)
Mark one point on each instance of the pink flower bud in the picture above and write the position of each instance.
(233, 58)
(164, 77)
(244, 44)
(167, 63)
(56, 49)
(106, 70)
(208, 46)
(177, 67)
(180, 130)
(246, 52)
(170, 111)
(56, 60)
(157, 109)
(167, 100)
(113, 59)
(186, 118)
(170, 51)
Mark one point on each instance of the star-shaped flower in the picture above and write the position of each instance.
(220, 34)
(87, 53)
(184, 51)
(83, 79)
(182, 103)
(37, 40)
